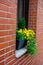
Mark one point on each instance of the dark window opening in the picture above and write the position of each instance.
(23, 9)
(26, 12)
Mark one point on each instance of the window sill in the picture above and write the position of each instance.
(20, 52)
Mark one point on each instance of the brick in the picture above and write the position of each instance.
(7, 9)
(8, 49)
(2, 40)
(12, 10)
(12, 62)
(8, 54)
(4, 45)
(9, 59)
(32, 15)
(12, 32)
(4, 33)
(2, 14)
(8, 38)
(1, 58)
(1, 63)
(2, 52)
(12, 42)
(4, 21)
(8, 3)
(7, 15)
(10, 15)
(37, 26)
(12, 21)
(24, 59)
(20, 59)
(4, 8)
(7, 21)
(13, 47)
(28, 61)
(14, 27)
(7, 27)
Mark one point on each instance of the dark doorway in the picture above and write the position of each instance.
(26, 11)
(23, 9)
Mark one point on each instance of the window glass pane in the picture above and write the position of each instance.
(21, 8)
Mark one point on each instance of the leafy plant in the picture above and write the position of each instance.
(20, 35)
(22, 23)
(28, 33)
(31, 46)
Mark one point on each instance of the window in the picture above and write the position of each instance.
(23, 9)
(23, 6)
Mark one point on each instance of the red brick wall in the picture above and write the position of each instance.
(8, 22)
(39, 34)
(38, 20)
(32, 14)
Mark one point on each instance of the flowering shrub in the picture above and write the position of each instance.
(28, 33)
(31, 41)
(31, 46)
(25, 33)
(20, 35)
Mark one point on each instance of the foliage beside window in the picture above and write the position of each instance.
(31, 41)
(21, 23)
(31, 46)
(22, 33)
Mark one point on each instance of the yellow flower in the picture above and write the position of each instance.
(24, 30)
(31, 32)
(27, 32)
(20, 31)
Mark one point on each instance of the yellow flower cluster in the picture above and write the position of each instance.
(20, 31)
(27, 32)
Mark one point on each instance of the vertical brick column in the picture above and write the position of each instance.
(36, 23)
(40, 32)
(8, 20)
(32, 19)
